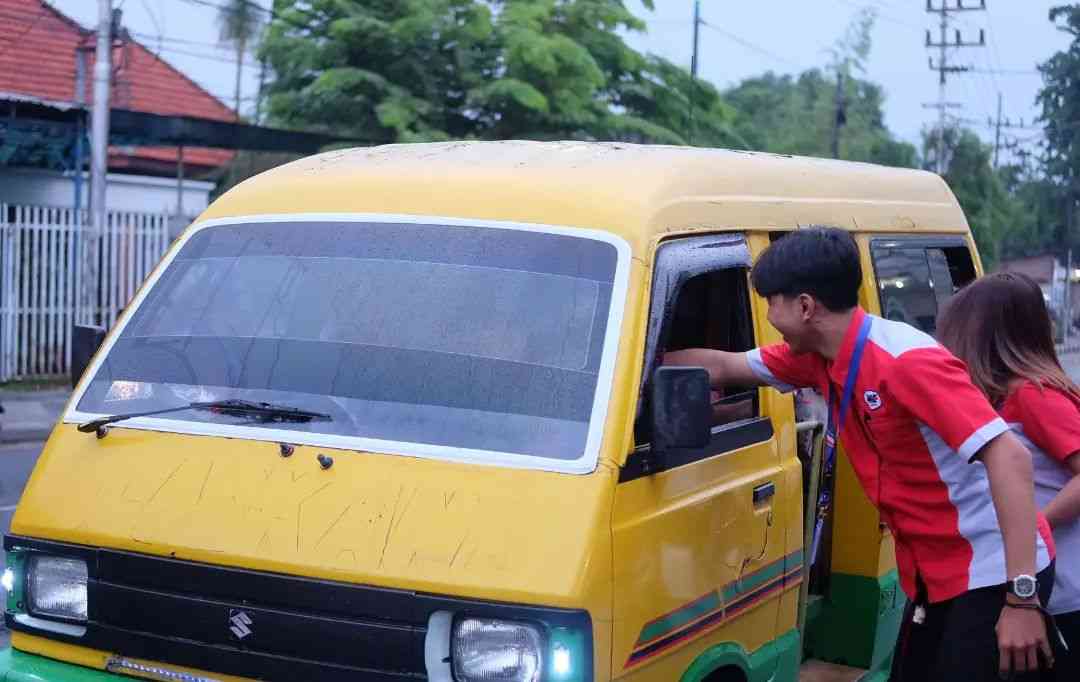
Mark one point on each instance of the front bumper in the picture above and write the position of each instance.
(22, 666)
(19, 666)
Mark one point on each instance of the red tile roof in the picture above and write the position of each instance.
(37, 58)
(1038, 268)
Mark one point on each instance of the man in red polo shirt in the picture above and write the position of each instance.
(949, 478)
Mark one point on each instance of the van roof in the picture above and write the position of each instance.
(636, 191)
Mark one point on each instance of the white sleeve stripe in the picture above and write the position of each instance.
(984, 435)
(764, 373)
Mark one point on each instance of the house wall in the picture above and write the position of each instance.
(123, 193)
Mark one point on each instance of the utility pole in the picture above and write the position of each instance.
(1066, 316)
(262, 88)
(1070, 206)
(694, 69)
(943, 67)
(99, 151)
(75, 252)
(997, 133)
(998, 125)
(80, 127)
(841, 114)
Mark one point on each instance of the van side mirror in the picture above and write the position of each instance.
(681, 410)
(85, 340)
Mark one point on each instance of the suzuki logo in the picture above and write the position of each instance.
(239, 623)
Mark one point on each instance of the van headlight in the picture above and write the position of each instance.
(490, 650)
(529, 645)
(56, 587)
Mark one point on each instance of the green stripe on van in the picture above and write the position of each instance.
(673, 621)
(712, 601)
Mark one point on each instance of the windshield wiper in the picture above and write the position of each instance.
(240, 408)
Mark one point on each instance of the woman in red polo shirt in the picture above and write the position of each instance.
(1000, 327)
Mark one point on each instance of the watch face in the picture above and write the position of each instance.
(1024, 586)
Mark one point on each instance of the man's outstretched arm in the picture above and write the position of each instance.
(725, 369)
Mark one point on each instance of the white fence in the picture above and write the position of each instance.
(44, 253)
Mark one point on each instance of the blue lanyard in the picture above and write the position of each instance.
(832, 431)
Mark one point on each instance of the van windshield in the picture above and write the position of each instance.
(474, 338)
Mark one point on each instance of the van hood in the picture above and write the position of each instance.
(439, 527)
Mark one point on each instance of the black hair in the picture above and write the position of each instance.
(820, 261)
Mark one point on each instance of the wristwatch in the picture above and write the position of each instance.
(1023, 586)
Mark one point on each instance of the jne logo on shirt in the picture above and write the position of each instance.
(873, 399)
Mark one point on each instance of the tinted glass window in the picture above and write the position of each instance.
(914, 282)
(477, 338)
(940, 276)
(904, 284)
(711, 310)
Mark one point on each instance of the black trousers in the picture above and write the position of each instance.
(1068, 667)
(957, 641)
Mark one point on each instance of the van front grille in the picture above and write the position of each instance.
(245, 623)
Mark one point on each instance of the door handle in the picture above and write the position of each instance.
(764, 492)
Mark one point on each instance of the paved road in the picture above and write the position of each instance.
(1071, 363)
(16, 463)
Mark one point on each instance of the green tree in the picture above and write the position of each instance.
(1060, 102)
(1000, 220)
(1031, 225)
(559, 66)
(663, 103)
(379, 70)
(797, 114)
(241, 21)
(416, 70)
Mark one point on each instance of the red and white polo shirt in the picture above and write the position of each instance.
(1048, 422)
(915, 426)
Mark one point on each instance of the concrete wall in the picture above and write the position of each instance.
(125, 192)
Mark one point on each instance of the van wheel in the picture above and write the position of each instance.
(728, 674)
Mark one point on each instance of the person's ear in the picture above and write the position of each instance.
(807, 307)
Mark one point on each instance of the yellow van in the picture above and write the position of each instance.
(395, 414)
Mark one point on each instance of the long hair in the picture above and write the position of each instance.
(1000, 327)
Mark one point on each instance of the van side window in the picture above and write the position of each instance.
(700, 299)
(711, 310)
(915, 278)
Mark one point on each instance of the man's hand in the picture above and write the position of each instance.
(725, 369)
(1021, 634)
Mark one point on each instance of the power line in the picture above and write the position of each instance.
(1010, 72)
(274, 16)
(996, 69)
(877, 6)
(989, 122)
(982, 70)
(154, 19)
(975, 91)
(985, 86)
(994, 47)
(178, 41)
(214, 5)
(222, 60)
(209, 57)
(750, 46)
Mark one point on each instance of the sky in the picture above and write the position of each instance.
(739, 40)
